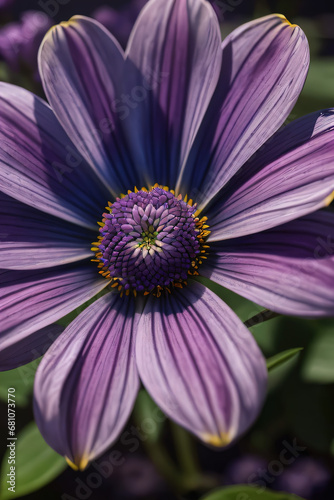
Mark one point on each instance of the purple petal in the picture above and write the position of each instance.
(292, 176)
(31, 300)
(30, 239)
(40, 166)
(288, 269)
(172, 68)
(27, 349)
(263, 70)
(87, 382)
(81, 66)
(201, 364)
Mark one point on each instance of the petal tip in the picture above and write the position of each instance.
(71, 464)
(70, 22)
(80, 463)
(217, 440)
(329, 199)
(49, 31)
(285, 20)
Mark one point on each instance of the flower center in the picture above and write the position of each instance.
(150, 241)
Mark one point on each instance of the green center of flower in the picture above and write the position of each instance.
(149, 238)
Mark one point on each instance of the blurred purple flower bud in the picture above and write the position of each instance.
(19, 41)
(34, 25)
(138, 478)
(10, 43)
(307, 477)
(119, 22)
(245, 469)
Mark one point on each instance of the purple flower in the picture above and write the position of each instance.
(137, 478)
(182, 110)
(19, 41)
(10, 44)
(244, 470)
(307, 477)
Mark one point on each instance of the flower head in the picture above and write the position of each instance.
(180, 116)
(308, 477)
(149, 241)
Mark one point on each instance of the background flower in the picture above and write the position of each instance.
(119, 21)
(19, 41)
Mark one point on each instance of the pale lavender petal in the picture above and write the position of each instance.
(31, 300)
(27, 349)
(30, 239)
(175, 47)
(40, 166)
(288, 269)
(81, 66)
(200, 364)
(87, 382)
(292, 175)
(263, 70)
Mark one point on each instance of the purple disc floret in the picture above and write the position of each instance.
(149, 240)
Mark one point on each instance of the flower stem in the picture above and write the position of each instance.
(165, 465)
(264, 315)
(184, 476)
(185, 450)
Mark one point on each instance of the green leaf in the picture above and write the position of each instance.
(241, 492)
(260, 318)
(318, 82)
(4, 72)
(22, 379)
(318, 363)
(282, 357)
(148, 416)
(36, 464)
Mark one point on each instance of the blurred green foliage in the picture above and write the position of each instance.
(36, 464)
(22, 379)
